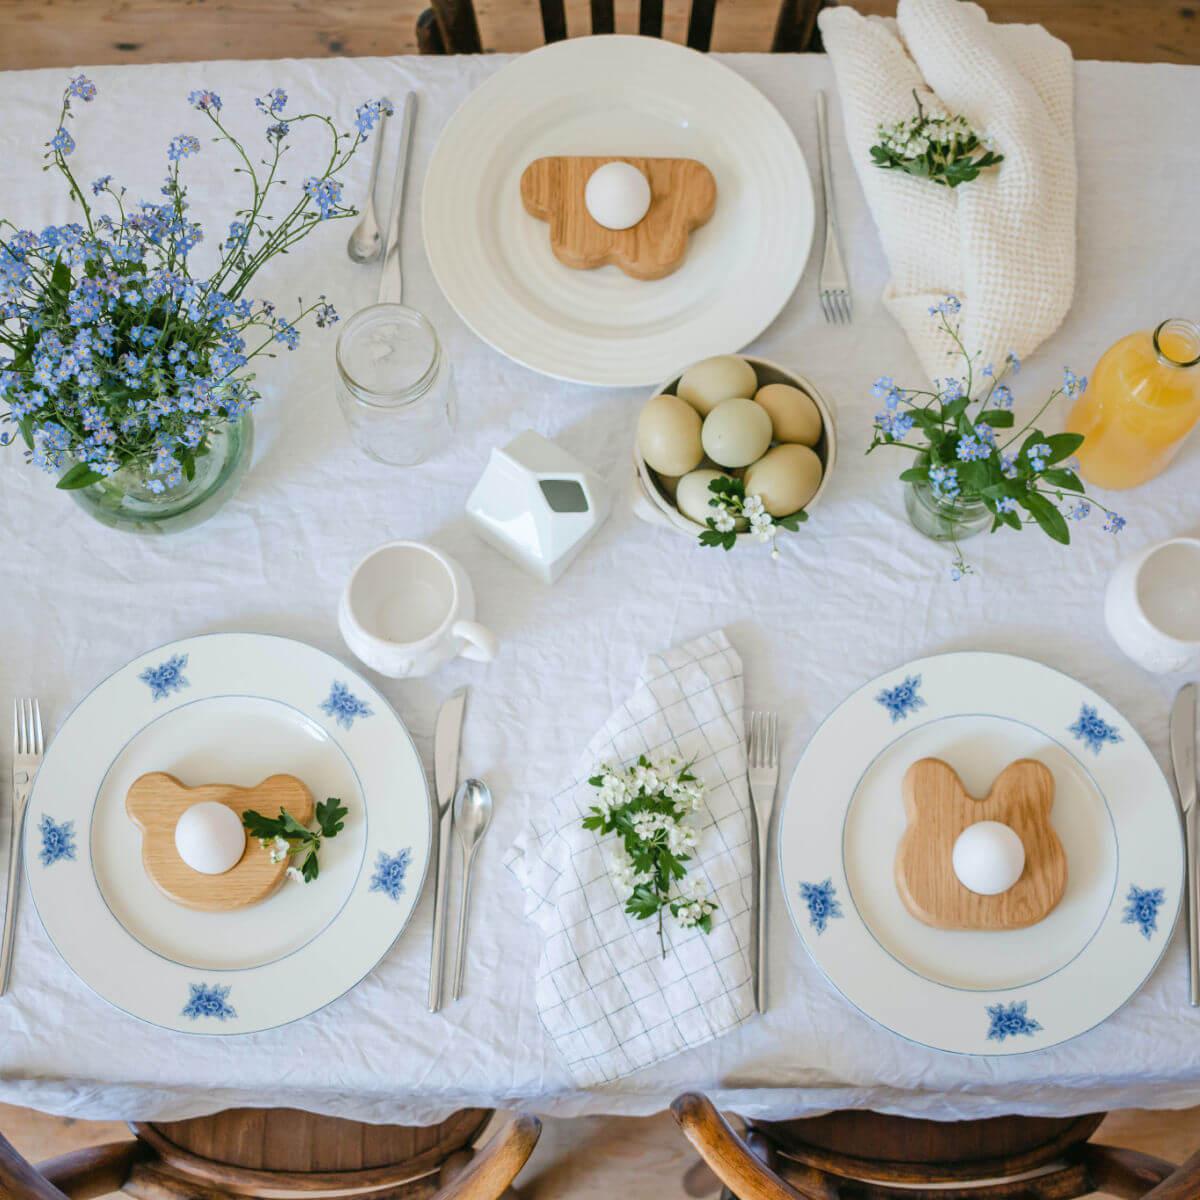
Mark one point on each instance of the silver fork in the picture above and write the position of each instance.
(27, 757)
(833, 285)
(762, 758)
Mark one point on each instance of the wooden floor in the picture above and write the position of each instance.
(67, 33)
(597, 1158)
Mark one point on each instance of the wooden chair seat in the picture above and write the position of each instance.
(872, 1156)
(279, 1154)
(871, 1145)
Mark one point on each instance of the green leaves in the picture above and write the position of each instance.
(301, 841)
(330, 817)
(1049, 519)
(78, 476)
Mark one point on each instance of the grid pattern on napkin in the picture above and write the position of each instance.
(607, 997)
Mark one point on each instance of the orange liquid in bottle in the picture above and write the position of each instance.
(1143, 399)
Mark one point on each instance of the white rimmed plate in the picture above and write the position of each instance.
(982, 993)
(616, 95)
(227, 708)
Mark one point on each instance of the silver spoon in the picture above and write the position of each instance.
(366, 242)
(472, 815)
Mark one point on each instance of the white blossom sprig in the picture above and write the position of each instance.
(735, 508)
(646, 806)
(941, 148)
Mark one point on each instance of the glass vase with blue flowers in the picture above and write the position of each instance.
(971, 468)
(125, 372)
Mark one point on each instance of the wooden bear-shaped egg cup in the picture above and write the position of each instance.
(155, 803)
(683, 195)
(939, 809)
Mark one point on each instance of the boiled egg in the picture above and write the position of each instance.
(786, 478)
(794, 414)
(210, 838)
(692, 496)
(712, 380)
(668, 435)
(736, 432)
(617, 195)
(988, 857)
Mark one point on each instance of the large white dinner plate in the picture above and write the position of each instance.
(227, 708)
(622, 96)
(982, 992)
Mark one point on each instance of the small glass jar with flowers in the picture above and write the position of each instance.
(126, 373)
(972, 468)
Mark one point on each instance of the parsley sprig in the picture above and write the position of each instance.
(286, 838)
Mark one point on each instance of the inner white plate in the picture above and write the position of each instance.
(979, 748)
(616, 95)
(227, 708)
(233, 739)
(982, 992)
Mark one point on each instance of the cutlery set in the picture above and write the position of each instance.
(367, 244)
(467, 810)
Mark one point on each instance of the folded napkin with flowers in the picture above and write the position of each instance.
(636, 968)
(1002, 240)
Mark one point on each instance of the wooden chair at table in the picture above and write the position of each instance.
(450, 26)
(872, 1156)
(282, 1154)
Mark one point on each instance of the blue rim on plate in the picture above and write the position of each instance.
(982, 993)
(82, 856)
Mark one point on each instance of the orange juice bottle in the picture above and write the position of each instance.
(1143, 400)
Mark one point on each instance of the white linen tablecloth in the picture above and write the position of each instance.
(857, 592)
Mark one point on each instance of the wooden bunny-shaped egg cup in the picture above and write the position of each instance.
(939, 808)
(156, 801)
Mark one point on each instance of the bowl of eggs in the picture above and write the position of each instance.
(737, 417)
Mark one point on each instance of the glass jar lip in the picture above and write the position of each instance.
(1192, 328)
(372, 397)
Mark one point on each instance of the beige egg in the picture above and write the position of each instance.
(786, 477)
(668, 435)
(692, 496)
(709, 382)
(794, 414)
(736, 433)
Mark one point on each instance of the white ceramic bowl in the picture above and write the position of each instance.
(652, 504)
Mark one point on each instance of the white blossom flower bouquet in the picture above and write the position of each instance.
(646, 806)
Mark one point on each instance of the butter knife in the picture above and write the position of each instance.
(446, 737)
(391, 282)
(1183, 759)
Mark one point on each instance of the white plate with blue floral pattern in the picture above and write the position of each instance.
(227, 708)
(982, 993)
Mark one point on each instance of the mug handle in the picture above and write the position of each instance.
(481, 643)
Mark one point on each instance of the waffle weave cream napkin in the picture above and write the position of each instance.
(1004, 243)
(608, 998)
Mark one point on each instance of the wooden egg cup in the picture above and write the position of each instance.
(155, 803)
(683, 195)
(939, 809)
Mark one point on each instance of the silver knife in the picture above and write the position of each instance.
(391, 283)
(446, 735)
(1183, 759)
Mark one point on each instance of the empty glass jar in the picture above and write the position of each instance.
(394, 385)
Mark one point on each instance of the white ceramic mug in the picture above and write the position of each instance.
(408, 609)
(1152, 606)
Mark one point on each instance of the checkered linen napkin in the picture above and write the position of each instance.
(609, 1000)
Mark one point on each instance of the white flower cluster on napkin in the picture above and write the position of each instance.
(1004, 243)
(608, 998)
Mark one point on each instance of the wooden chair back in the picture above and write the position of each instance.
(451, 27)
(281, 1154)
(873, 1156)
